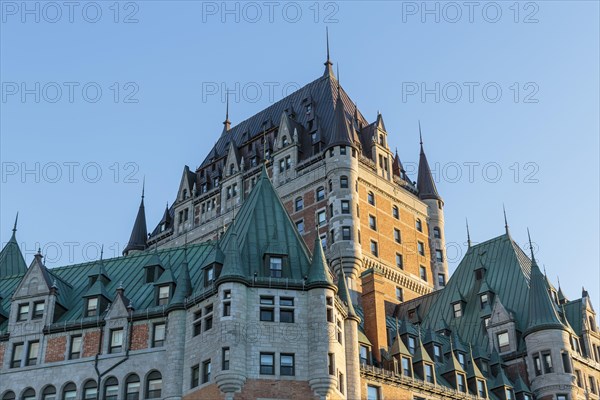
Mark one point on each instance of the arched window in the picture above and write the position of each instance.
(10, 395)
(28, 394)
(154, 385)
(344, 182)
(49, 393)
(396, 212)
(90, 390)
(132, 387)
(419, 225)
(69, 392)
(111, 389)
(437, 233)
(371, 198)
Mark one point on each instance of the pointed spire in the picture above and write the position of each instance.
(11, 258)
(397, 168)
(468, 234)
(425, 183)
(530, 246)
(232, 266)
(328, 64)
(318, 272)
(505, 220)
(183, 286)
(15, 226)
(542, 313)
(341, 133)
(139, 233)
(344, 295)
(226, 123)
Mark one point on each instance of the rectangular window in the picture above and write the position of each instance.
(342, 150)
(578, 379)
(566, 363)
(163, 295)
(116, 340)
(92, 307)
(226, 309)
(158, 336)
(547, 359)
(373, 393)
(480, 388)
(396, 212)
(429, 373)
(324, 241)
(17, 354)
(287, 365)
(397, 237)
(562, 397)
(275, 267)
(344, 182)
(537, 364)
(406, 367)
(460, 382)
(484, 300)
(457, 308)
(399, 261)
(300, 226)
(286, 315)
(509, 394)
(331, 363)
(421, 248)
(281, 165)
(437, 353)
(461, 360)
(341, 382)
(329, 309)
(374, 248)
(195, 376)
(439, 255)
(441, 280)
(412, 343)
(267, 313)
(299, 203)
(346, 233)
(206, 369)
(267, 363)
(423, 273)
(345, 207)
(364, 354)
(503, 342)
(38, 310)
(225, 358)
(208, 322)
(592, 384)
(399, 294)
(372, 222)
(321, 218)
(32, 353)
(197, 323)
(339, 331)
(75, 347)
(288, 162)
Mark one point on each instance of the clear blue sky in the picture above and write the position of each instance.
(541, 133)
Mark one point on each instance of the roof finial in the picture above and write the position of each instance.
(505, 219)
(143, 186)
(101, 252)
(328, 63)
(338, 79)
(468, 234)
(265, 142)
(420, 135)
(531, 249)
(16, 219)
(226, 123)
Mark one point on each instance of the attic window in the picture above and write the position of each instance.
(275, 267)
(503, 342)
(153, 272)
(457, 309)
(479, 273)
(308, 108)
(484, 300)
(163, 295)
(209, 275)
(284, 141)
(92, 307)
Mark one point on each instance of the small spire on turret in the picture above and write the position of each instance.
(530, 248)
(226, 123)
(505, 220)
(328, 64)
(468, 234)
(15, 226)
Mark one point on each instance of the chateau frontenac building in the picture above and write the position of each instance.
(298, 261)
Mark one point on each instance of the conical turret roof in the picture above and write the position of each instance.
(139, 233)
(425, 183)
(318, 273)
(11, 258)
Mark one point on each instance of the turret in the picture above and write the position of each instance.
(435, 205)
(341, 155)
(547, 340)
(11, 258)
(351, 322)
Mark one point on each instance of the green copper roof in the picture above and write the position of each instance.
(183, 287)
(262, 224)
(420, 353)
(501, 380)
(542, 312)
(232, 262)
(318, 273)
(507, 270)
(573, 311)
(398, 347)
(520, 386)
(11, 258)
(97, 289)
(472, 368)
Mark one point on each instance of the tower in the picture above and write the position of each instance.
(435, 205)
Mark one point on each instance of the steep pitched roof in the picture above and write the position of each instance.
(425, 183)
(262, 223)
(11, 258)
(344, 295)
(341, 132)
(139, 233)
(318, 273)
(507, 273)
(542, 312)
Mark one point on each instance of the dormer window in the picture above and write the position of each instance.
(164, 293)
(209, 275)
(284, 141)
(457, 309)
(503, 342)
(275, 267)
(461, 359)
(185, 194)
(481, 392)
(509, 394)
(484, 300)
(153, 272)
(479, 273)
(406, 367)
(412, 345)
(91, 307)
(38, 310)
(437, 353)
(429, 377)
(460, 383)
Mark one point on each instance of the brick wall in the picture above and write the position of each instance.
(56, 348)
(261, 388)
(91, 342)
(139, 337)
(387, 391)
